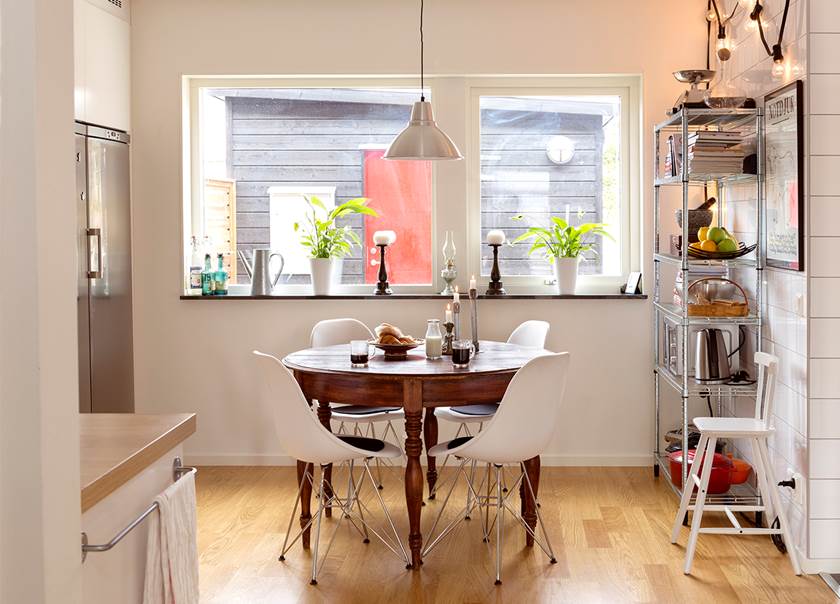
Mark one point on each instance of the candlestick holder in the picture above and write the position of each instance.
(495, 288)
(449, 274)
(446, 347)
(382, 287)
(474, 317)
(456, 318)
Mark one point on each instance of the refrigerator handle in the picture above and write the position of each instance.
(94, 273)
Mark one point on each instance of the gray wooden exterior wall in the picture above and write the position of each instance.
(286, 142)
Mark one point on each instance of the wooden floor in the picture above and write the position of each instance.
(610, 530)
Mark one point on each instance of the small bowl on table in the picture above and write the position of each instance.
(396, 352)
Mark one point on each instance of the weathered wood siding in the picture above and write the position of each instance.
(286, 142)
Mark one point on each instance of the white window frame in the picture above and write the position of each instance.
(627, 88)
(194, 165)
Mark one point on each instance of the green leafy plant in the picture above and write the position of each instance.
(562, 240)
(322, 236)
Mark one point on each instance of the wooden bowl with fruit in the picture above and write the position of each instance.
(716, 243)
(391, 340)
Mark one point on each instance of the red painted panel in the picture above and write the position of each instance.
(401, 191)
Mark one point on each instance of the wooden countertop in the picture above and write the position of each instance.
(116, 447)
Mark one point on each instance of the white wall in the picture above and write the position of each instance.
(193, 356)
(40, 554)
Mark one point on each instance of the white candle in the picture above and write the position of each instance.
(381, 238)
(448, 314)
(457, 297)
(472, 282)
(392, 237)
(496, 237)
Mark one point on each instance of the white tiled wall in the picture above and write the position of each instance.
(824, 279)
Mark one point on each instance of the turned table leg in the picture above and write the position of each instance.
(529, 507)
(430, 437)
(305, 496)
(413, 407)
(324, 415)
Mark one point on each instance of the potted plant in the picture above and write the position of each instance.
(563, 245)
(327, 242)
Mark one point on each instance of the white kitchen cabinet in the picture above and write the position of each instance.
(102, 61)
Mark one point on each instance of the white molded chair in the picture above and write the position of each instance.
(530, 334)
(331, 332)
(303, 437)
(757, 429)
(521, 429)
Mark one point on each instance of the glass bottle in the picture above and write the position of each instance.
(449, 249)
(207, 277)
(195, 266)
(723, 92)
(434, 339)
(220, 278)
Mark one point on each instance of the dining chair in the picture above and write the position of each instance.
(331, 332)
(303, 437)
(757, 429)
(521, 429)
(530, 334)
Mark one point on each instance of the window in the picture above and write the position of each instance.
(534, 146)
(270, 148)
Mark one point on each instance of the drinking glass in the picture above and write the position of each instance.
(360, 353)
(461, 352)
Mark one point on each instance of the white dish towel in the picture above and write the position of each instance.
(172, 552)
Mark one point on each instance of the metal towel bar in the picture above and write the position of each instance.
(178, 470)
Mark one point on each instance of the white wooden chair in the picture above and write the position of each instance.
(303, 437)
(331, 332)
(757, 429)
(521, 429)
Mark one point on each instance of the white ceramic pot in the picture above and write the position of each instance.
(324, 274)
(565, 271)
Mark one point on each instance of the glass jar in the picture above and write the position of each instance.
(723, 92)
(434, 339)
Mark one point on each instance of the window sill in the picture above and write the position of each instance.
(418, 297)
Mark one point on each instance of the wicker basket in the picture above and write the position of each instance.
(718, 308)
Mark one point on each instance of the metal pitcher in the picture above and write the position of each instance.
(262, 283)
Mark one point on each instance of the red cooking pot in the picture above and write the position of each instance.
(719, 481)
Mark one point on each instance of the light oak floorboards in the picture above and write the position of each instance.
(609, 527)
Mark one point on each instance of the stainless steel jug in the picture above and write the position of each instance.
(262, 283)
(711, 358)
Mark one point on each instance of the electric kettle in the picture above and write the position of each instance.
(711, 358)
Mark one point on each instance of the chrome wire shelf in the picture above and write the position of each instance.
(719, 119)
(739, 494)
(743, 261)
(677, 313)
(698, 179)
(695, 389)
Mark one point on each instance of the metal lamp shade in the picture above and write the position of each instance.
(422, 139)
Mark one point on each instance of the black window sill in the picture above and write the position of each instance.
(420, 297)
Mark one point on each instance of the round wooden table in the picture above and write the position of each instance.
(325, 375)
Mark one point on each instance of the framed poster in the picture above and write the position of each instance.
(784, 205)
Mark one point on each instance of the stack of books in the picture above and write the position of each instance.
(711, 152)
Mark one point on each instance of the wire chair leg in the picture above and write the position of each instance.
(284, 549)
(500, 516)
(321, 507)
(388, 515)
(552, 557)
(469, 507)
(353, 491)
(376, 460)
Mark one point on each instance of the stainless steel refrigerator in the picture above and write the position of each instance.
(106, 363)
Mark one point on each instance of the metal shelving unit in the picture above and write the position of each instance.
(685, 122)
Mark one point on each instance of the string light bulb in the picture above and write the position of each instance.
(711, 16)
(723, 45)
(778, 70)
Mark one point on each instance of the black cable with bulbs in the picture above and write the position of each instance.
(775, 51)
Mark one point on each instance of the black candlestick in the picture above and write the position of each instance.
(382, 287)
(495, 286)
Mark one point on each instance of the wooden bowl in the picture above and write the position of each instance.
(396, 352)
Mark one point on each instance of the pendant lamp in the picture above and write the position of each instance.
(422, 139)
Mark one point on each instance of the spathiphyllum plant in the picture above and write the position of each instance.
(322, 236)
(562, 240)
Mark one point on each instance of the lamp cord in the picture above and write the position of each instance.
(422, 82)
(757, 12)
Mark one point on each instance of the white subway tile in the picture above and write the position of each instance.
(824, 15)
(825, 297)
(825, 378)
(824, 499)
(824, 174)
(824, 94)
(825, 538)
(825, 212)
(825, 134)
(825, 255)
(825, 418)
(825, 338)
(825, 53)
(824, 458)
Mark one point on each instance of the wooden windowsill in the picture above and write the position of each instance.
(419, 297)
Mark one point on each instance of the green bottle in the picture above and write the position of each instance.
(207, 277)
(220, 278)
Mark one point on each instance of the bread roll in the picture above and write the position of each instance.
(388, 339)
(387, 329)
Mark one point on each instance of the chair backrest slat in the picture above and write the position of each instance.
(765, 386)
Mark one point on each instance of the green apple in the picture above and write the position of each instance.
(727, 245)
(717, 234)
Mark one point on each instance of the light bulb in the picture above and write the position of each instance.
(778, 70)
(750, 25)
(748, 5)
(724, 48)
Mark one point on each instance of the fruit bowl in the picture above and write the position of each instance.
(704, 255)
(396, 352)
